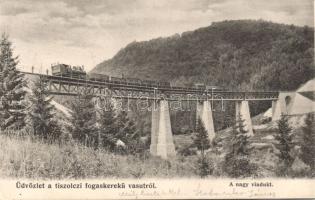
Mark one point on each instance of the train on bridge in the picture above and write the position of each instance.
(78, 72)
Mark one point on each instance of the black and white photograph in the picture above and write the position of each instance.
(114, 96)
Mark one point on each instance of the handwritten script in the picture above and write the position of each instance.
(199, 193)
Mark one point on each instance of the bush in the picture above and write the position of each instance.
(266, 120)
(240, 167)
(204, 167)
(187, 151)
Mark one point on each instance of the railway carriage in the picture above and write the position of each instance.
(133, 81)
(117, 80)
(204, 87)
(164, 84)
(150, 83)
(98, 77)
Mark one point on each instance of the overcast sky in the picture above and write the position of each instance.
(89, 31)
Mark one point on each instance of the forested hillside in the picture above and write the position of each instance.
(242, 54)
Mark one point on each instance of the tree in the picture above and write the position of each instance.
(122, 124)
(202, 142)
(308, 144)
(41, 115)
(128, 133)
(107, 126)
(83, 119)
(284, 145)
(237, 162)
(12, 92)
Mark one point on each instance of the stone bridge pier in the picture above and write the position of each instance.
(204, 112)
(161, 132)
(242, 110)
(283, 105)
(162, 143)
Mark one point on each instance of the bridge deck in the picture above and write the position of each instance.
(70, 86)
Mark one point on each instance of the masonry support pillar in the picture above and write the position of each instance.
(204, 112)
(155, 120)
(242, 110)
(276, 110)
(161, 132)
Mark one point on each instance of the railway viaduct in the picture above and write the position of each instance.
(161, 132)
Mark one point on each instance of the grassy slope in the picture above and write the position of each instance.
(24, 158)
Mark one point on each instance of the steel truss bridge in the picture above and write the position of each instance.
(58, 85)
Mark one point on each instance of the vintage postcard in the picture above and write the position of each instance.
(157, 99)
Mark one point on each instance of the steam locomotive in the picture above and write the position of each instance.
(79, 73)
(68, 71)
